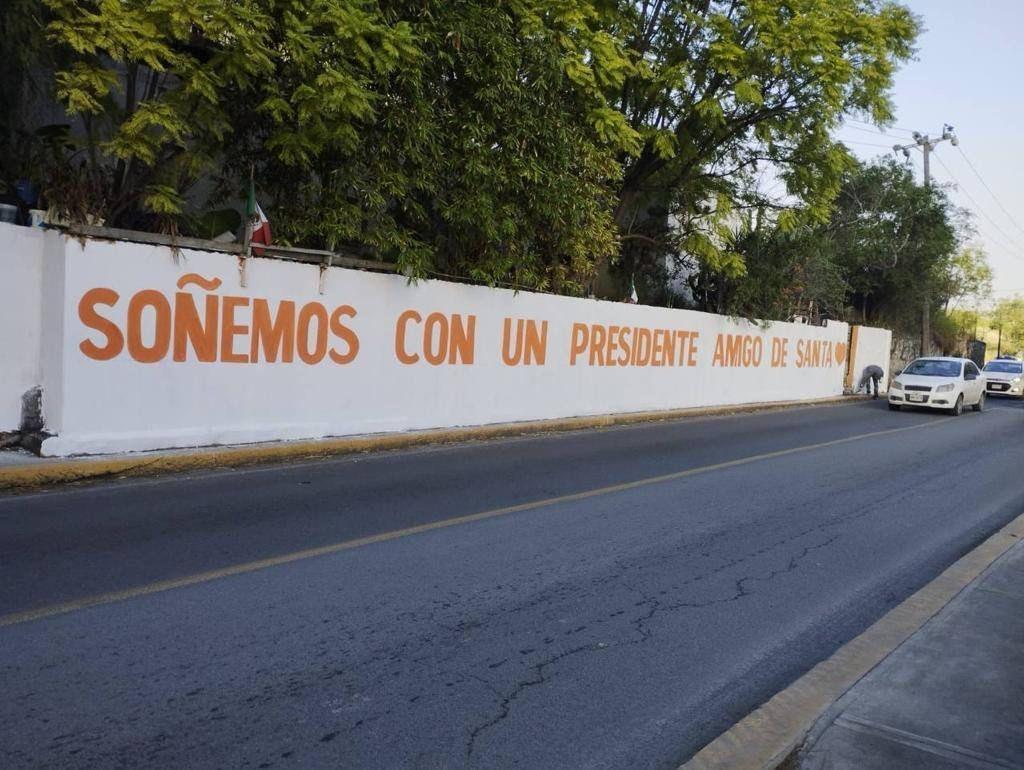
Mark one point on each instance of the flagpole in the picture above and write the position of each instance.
(247, 244)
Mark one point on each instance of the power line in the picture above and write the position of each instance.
(1008, 242)
(874, 131)
(1015, 247)
(866, 144)
(888, 128)
(989, 189)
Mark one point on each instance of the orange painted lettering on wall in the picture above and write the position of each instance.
(195, 324)
(525, 344)
(819, 353)
(273, 334)
(600, 345)
(311, 325)
(780, 351)
(191, 330)
(231, 329)
(227, 329)
(436, 339)
(738, 350)
(113, 338)
(154, 301)
(344, 333)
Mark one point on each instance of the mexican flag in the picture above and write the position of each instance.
(258, 221)
(633, 298)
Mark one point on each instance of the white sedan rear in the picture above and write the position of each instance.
(950, 384)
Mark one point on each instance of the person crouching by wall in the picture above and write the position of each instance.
(871, 376)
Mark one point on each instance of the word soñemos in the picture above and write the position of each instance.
(217, 332)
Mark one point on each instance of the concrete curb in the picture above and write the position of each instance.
(50, 472)
(766, 738)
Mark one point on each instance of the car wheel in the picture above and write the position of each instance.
(980, 406)
(894, 407)
(958, 407)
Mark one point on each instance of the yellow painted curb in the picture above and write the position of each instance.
(766, 737)
(49, 472)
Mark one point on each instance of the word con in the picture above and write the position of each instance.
(220, 332)
(444, 339)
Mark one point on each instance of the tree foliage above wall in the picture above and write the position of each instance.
(887, 244)
(528, 142)
(728, 87)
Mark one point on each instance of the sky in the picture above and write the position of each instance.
(967, 72)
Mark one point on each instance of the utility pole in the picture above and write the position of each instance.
(927, 145)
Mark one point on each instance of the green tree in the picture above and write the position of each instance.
(22, 50)
(786, 274)
(518, 142)
(1008, 318)
(887, 244)
(967, 278)
(470, 138)
(895, 242)
(491, 154)
(725, 88)
(154, 84)
(147, 80)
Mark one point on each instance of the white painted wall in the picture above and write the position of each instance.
(121, 404)
(21, 276)
(869, 345)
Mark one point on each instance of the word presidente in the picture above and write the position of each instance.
(153, 327)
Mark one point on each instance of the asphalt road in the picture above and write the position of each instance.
(611, 619)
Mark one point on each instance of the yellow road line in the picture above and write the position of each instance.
(252, 566)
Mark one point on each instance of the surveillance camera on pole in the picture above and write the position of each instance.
(927, 144)
(898, 148)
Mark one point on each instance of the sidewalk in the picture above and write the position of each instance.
(951, 696)
(14, 456)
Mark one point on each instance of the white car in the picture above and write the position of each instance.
(1004, 377)
(939, 383)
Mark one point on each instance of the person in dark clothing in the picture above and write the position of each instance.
(872, 375)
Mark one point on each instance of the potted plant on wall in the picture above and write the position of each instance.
(29, 167)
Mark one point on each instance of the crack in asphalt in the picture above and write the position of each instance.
(656, 606)
(630, 574)
(538, 676)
